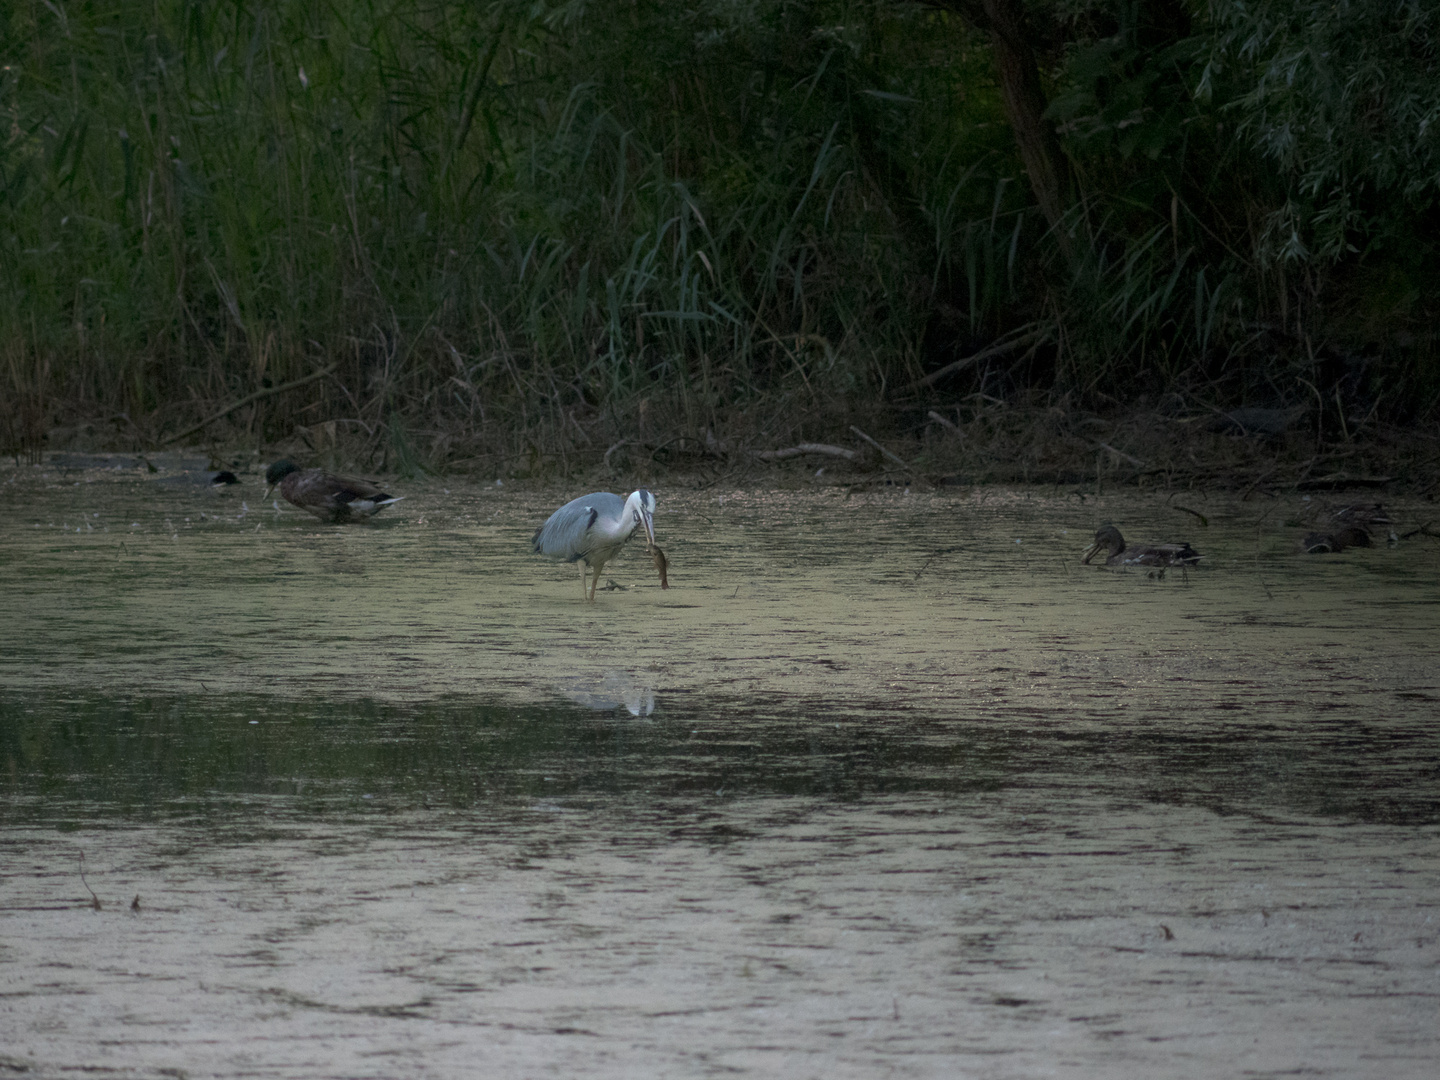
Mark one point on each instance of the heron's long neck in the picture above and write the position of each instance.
(620, 528)
(630, 515)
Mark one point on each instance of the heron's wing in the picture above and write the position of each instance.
(567, 535)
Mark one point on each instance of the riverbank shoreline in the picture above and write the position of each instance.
(1252, 450)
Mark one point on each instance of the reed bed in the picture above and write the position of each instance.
(425, 236)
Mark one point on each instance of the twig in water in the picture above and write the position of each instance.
(94, 900)
(1195, 513)
(935, 555)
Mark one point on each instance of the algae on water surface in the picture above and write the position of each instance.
(885, 783)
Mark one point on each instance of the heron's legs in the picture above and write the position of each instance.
(583, 583)
(595, 580)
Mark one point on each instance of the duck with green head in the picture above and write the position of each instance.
(327, 496)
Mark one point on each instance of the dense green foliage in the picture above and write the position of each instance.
(1343, 98)
(527, 222)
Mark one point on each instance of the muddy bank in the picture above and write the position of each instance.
(1182, 442)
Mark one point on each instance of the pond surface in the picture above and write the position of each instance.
(885, 784)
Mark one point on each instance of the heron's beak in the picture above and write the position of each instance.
(649, 530)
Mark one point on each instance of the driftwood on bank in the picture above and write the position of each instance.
(1121, 454)
(944, 422)
(805, 448)
(896, 458)
(720, 449)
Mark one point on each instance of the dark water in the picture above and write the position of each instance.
(74, 759)
(886, 785)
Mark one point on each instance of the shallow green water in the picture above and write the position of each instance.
(885, 784)
(76, 759)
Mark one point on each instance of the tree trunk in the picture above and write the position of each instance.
(1024, 97)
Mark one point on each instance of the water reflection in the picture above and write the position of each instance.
(614, 690)
(78, 755)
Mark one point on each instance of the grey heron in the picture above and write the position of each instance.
(1119, 553)
(327, 496)
(592, 529)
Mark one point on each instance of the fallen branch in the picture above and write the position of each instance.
(267, 392)
(805, 448)
(1120, 454)
(941, 420)
(893, 457)
(617, 446)
(984, 354)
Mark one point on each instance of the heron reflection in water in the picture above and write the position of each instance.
(592, 529)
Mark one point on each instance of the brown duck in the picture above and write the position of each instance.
(1362, 515)
(327, 496)
(1119, 553)
(1351, 536)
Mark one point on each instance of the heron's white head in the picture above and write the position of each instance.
(640, 510)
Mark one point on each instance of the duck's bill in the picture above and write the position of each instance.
(268, 492)
(1090, 553)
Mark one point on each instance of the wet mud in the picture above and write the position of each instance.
(884, 784)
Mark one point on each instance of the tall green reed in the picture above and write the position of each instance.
(534, 226)
(205, 199)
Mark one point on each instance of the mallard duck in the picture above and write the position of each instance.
(1119, 553)
(1316, 543)
(327, 496)
(592, 529)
